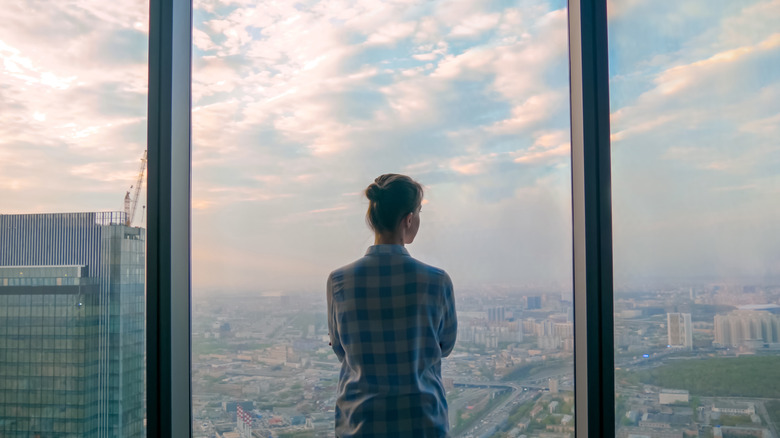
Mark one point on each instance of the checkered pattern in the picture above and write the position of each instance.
(243, 417)
(391, 319)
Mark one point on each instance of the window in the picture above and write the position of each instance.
(296, 109)
(694, 161)
(73, 87)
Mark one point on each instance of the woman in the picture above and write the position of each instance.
(391, 320)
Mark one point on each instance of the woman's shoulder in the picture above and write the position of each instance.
(432, 271)
(365, 265)
(354, 268)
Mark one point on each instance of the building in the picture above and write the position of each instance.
(71, 326)
(647, 432)
(742, 432)
(533, 302)
(243, 422)
(746, 326)
(232, 406)
(564, 330)
(679, 330)
(733, 408)
(496, 314)
(545, 328)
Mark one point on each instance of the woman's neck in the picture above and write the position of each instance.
(389, 239)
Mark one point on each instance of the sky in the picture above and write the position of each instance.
(298, 106)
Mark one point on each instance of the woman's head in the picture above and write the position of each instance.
(392, 199)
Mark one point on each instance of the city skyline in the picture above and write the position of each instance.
(512, 360)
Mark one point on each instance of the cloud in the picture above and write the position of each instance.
(327, 210)
(638, 128)
(695, 152)
(528, 114)
(766, 126)
(73, 117)
(391, 33)
(475, 25)
(708, 72)
(318, 100)
(549, 147)
(690, 103)
(754, 21)
(618, 8)
(202, 40)
(295, 105)
(99, 171)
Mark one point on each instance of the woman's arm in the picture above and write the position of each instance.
(335, 344)
(448, 329)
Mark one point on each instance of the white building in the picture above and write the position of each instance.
(679, 329)
(728, 408)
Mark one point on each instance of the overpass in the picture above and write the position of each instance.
(529, 386)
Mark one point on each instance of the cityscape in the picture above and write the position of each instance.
(690, 361)
(510, 374)
(695, 360)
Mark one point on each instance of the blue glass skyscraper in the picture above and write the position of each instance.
(71, 326)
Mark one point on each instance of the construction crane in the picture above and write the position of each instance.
(132, 203)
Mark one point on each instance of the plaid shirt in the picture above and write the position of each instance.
(391, 319)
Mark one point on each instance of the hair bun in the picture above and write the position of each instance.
(373, 192)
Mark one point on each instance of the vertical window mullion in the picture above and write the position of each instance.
(592, 220)
(168, 243)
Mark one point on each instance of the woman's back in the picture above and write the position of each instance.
(392, 319)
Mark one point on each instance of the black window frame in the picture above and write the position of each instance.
(168, 322)
(594, 352)
(169, 386)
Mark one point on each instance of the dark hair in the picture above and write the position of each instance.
(391, 197)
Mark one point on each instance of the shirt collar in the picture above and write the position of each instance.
(387, 249)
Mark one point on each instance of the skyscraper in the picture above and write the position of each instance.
(680, 332)
(71, 326)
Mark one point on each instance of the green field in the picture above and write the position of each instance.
(528, 370)
(773, 408)
(747, 376)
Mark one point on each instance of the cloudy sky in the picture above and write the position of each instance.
(299, 105)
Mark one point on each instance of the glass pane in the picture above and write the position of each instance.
(695, 121)
(297, 107)
(73, 91)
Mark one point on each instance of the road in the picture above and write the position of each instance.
(498, 414)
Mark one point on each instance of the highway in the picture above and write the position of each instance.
(488, 422)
